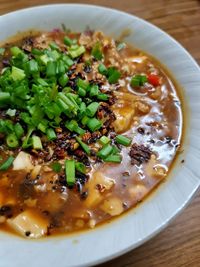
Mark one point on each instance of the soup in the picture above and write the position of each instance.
(88, 127)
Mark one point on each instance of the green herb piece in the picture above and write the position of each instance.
(105, 151)
(70, 172)
(85, 120)
(36, 52)
(4, 97)
(19, 131)
(94, 90)
(82, 84)
(73, 127)
(56, 167)
(37, 144)
(63, 80)
(94, 124)
(92, 109)
(51, 69)
(83, 145)
(6, 164)
(104, 140)
(80, 167)
(97, 51)
(81, 92)
(2, 51)
(17, 74)
(113, 75)
(113, 158)
(138, 80)
(102, 97)
(54, 46)
(32, 66)
(15, 51)
(123, 140)
(51, 135)
(68, 41)
(74, 53)
(11, 141)
(102, 69)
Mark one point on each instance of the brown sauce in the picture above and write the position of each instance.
(151, 116)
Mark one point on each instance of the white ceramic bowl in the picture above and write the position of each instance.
(140, 224)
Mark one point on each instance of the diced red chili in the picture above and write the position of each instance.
(154, 79)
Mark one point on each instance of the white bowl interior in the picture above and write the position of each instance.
(140, 224)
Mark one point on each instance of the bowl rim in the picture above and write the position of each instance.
(192, 61)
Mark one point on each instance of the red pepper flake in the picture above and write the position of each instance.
(154, 79)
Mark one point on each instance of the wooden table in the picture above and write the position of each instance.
(179, 244)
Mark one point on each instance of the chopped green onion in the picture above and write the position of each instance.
(92, 109)
(82, 84)
(37, 144)
(19, 131)
(68, 60)
(94, 124)
(123, 140)
(36, 52)
(32, 66)
(26, 142)
(81, 92)
(51, 135)
(4, 96)
(17, 74)
(6, 164)
(54, 46)
(73, 127)
(113, 158)
(83, 145)
(103, 97)
(138, 80)
(56, 167)
(15, 51)
(115, 150)
(11, 141)
(68, 41)
(80, 167)
(104, 140)
(94, 90)
(97, 51)
(51, 68)
(105, 151)
(63, 80)
(102, 69)
(45, 59)
(77, 52)
(2, 50)
(70, 172)
(113, 75)
(85, 120)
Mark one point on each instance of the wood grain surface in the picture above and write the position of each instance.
(179, 244)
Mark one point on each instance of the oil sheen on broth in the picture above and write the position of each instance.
(35, 200)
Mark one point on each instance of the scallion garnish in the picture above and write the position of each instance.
(123, 140)
(56, 167)
(138, 80)
(97, 51)
(94, 124)
(7, 163)
(37, 144)
(105, 151)
(80, 167)
(70, 172)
